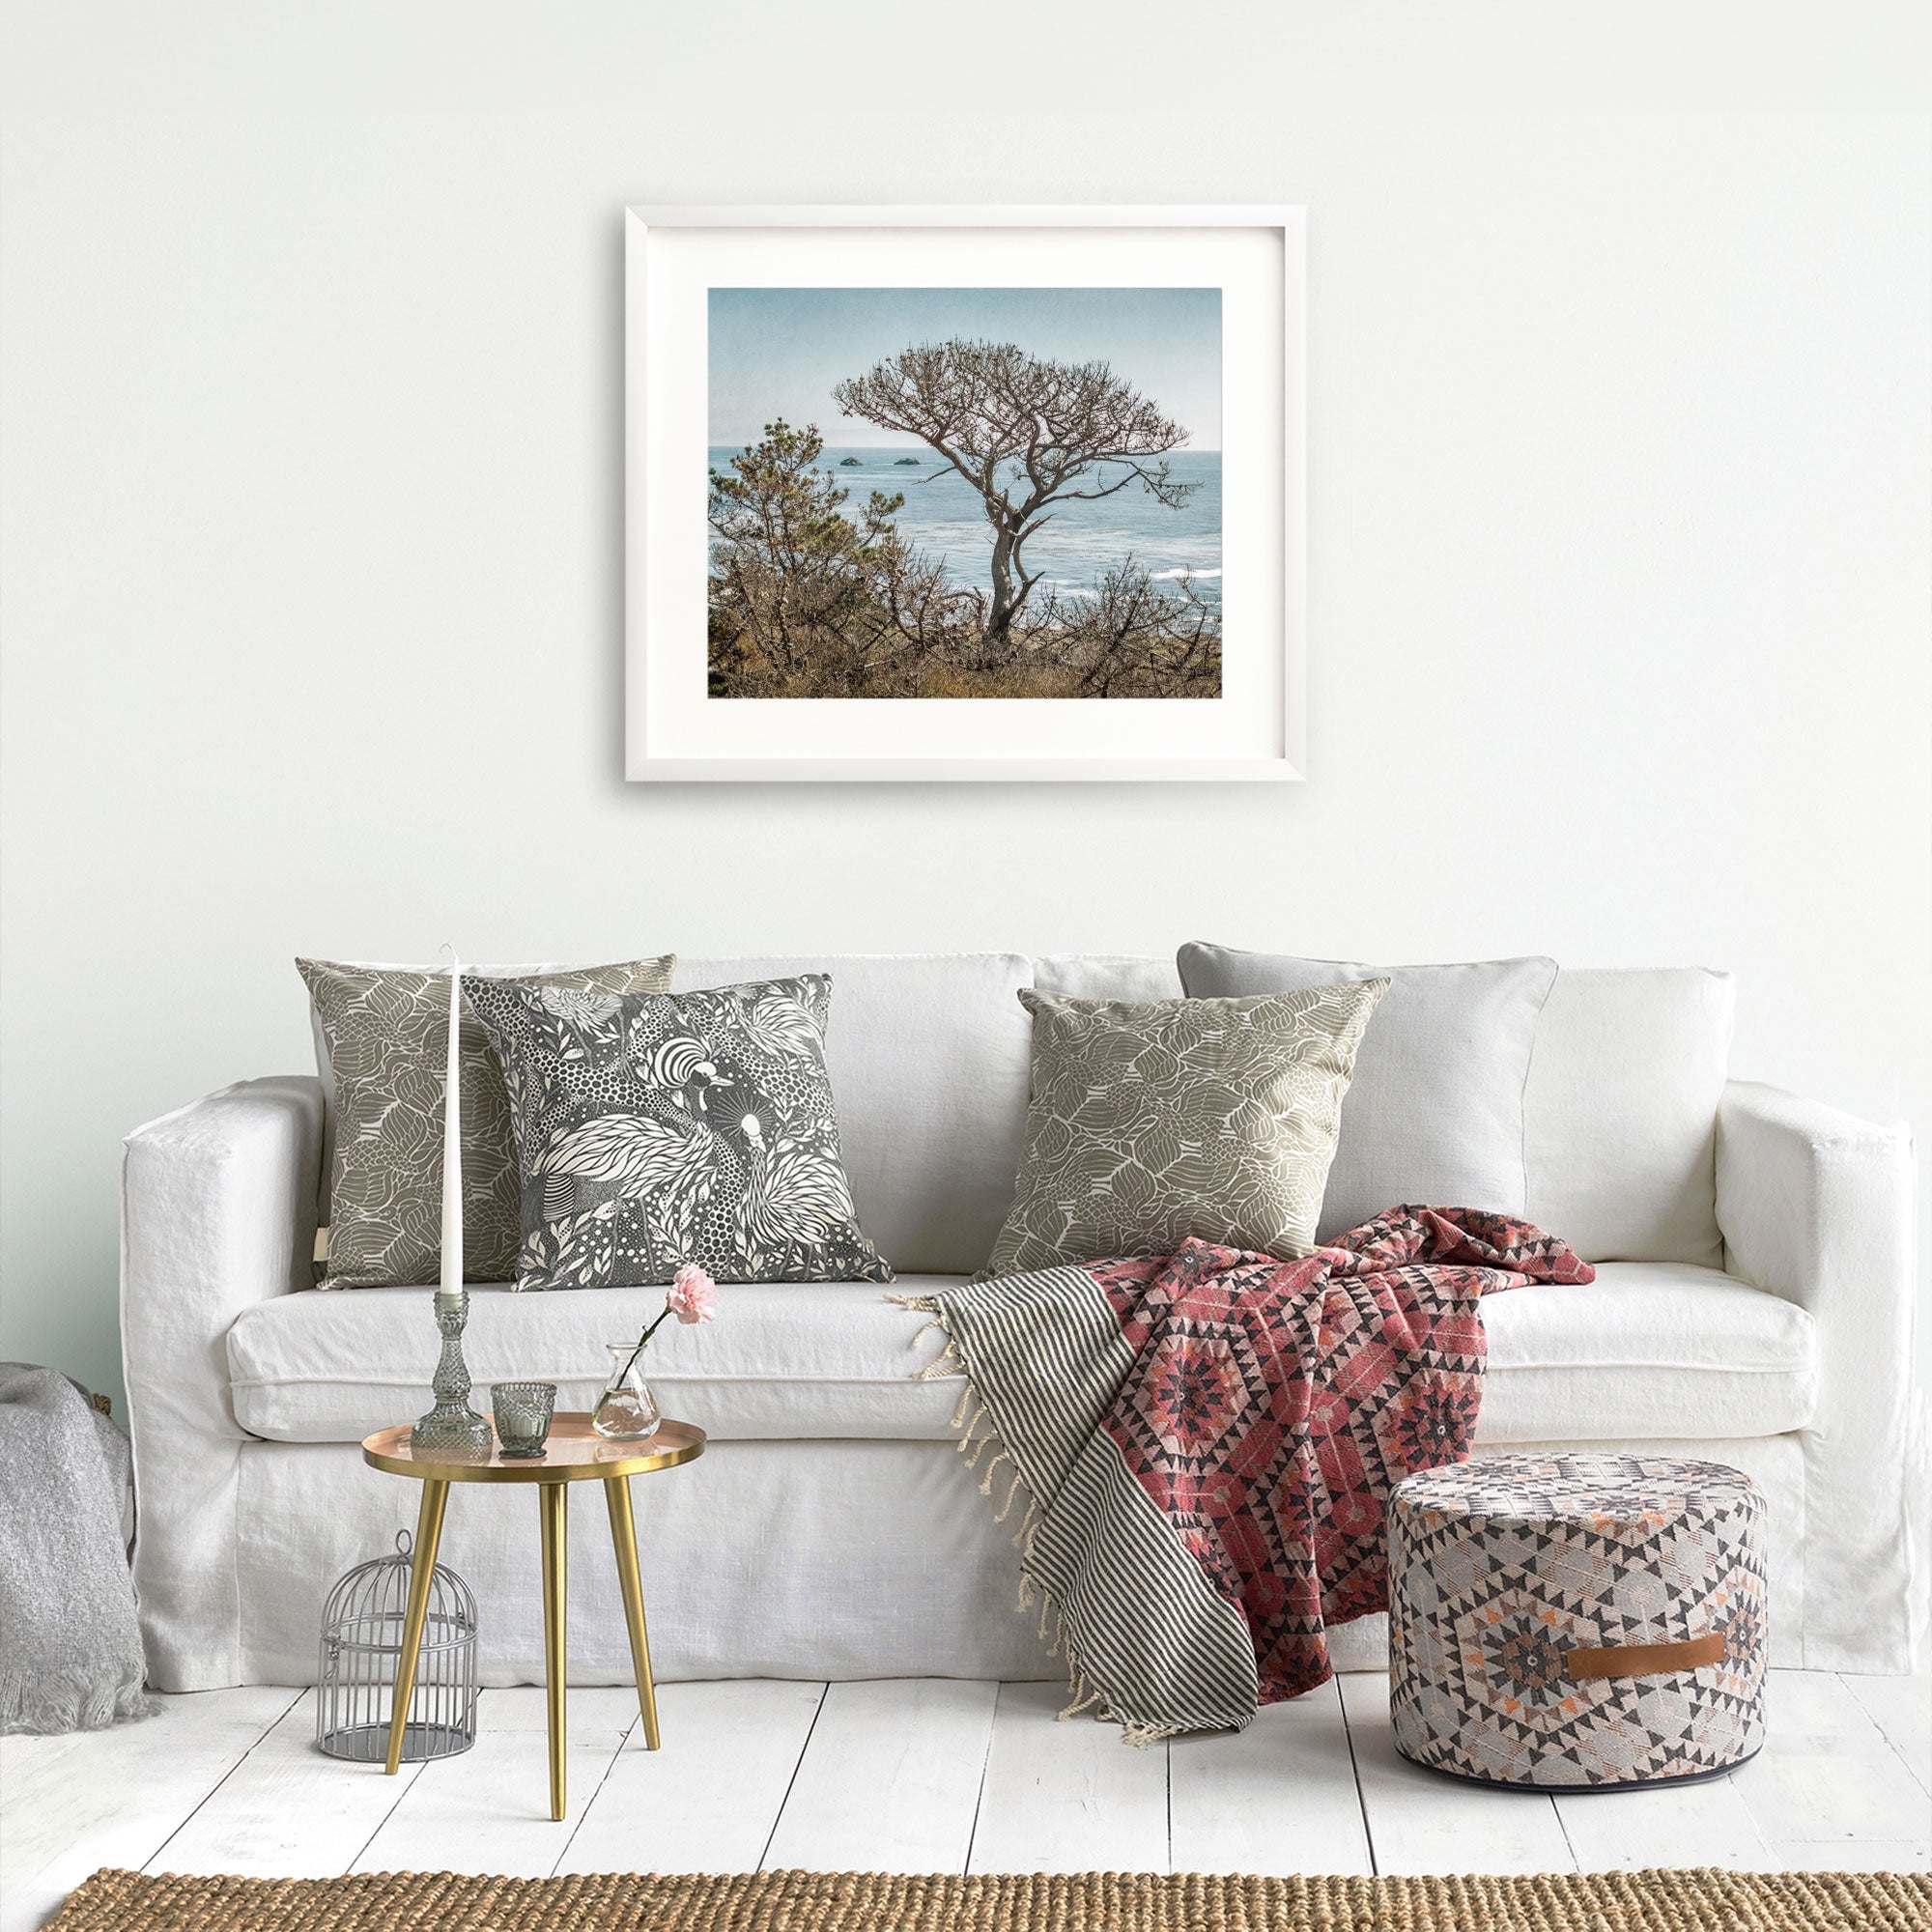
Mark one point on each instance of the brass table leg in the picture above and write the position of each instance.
(553, 1504)
(624, 1538)
(422, 1570)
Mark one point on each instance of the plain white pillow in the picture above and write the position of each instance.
(1434, 1113)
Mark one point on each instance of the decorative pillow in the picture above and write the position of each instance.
(525, 969)
(1435, 1114)
(1150, 1121)
(383, 1035)
(684, 1127)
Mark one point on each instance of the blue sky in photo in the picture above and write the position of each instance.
(778, 352)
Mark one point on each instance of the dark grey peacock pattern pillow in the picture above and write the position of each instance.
(657, 1129)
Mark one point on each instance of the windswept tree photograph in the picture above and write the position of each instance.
(964, 493)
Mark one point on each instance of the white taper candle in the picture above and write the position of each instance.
(452, 1143)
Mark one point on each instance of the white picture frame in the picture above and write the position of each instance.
(1255, 731)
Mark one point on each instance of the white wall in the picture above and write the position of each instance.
(1618, 470)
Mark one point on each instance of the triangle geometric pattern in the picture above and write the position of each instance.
(1500, 1570)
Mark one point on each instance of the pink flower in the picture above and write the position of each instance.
(694, 1295)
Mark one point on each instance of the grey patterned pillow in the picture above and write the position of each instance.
(656, 1131)
(385, 1031)
(1149, 1122)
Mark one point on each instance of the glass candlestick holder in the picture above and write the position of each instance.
(452, 1430)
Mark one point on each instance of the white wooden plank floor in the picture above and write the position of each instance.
(928, 1775)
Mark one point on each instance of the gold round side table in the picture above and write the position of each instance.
(575, 1452)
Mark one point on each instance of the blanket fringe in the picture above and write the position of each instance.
(947, 1363)
(1083, 1696)
(979, 1431)
(1023, 1536)
(1005, 1510)
(943, 1366)
(69, 1701)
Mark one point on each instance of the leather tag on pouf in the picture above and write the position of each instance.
(1643, 1660)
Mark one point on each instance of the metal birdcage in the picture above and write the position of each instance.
(362, 1645)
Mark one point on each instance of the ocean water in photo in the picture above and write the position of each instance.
(1074, 549)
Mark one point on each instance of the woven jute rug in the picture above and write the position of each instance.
(788, 1901)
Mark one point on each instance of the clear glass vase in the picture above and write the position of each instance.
(627, 1408)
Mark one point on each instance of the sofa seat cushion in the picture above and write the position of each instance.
(1650, 1350)
(782, 1359)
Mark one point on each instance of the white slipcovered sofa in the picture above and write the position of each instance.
(1754, 1305)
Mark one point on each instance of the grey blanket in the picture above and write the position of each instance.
(70, 1645)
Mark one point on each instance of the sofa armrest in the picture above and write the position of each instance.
(218, 1212)
(1818, 1207)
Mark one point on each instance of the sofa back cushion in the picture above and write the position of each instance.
(1106, 976)
(929, 1057)
(1621, 1110)
(927, 1054)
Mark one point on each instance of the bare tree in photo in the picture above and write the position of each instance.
(1027, 433)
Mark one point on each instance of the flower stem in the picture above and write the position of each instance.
(650, 1329)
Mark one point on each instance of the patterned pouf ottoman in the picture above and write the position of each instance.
(1588, 1622)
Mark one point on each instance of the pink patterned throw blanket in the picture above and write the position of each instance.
(1205, 1444)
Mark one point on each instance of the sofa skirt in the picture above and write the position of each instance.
(823, 1559)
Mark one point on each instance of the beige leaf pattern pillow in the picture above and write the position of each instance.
(387, 1034)
(1153, 1121)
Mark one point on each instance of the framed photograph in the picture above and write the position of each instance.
(964, 493)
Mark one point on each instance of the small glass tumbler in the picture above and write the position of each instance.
(627, 1410)
(523, 1412)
